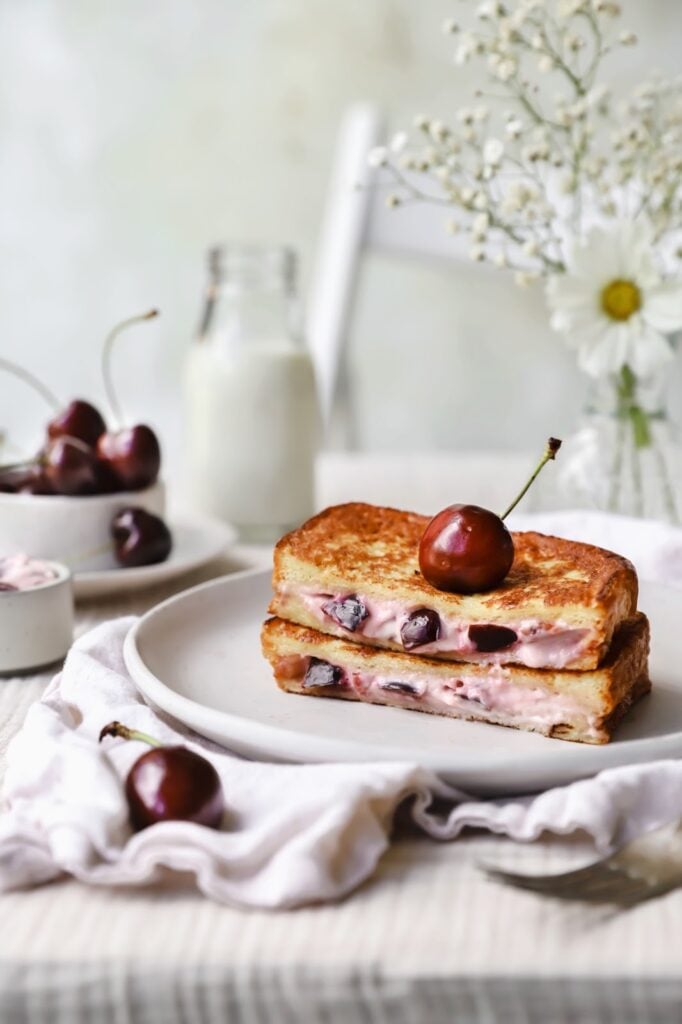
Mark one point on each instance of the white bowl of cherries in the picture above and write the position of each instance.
(91, 497)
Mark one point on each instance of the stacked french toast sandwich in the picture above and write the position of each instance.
(556, 647)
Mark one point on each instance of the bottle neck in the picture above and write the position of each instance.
(250, 300)
(237, 318)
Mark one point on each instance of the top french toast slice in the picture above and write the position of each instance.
(353, 571)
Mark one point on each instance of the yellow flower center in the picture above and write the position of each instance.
(620, 299)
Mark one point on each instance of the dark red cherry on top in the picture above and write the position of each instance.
(169, 784)
(133, 456)
(466, 549)
(79, 419)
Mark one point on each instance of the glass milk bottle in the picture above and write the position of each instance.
(253, 423)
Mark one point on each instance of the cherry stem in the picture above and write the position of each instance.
(112, 399)
(553, 446)
(125, 733)
(33, 382)
(103, 549)
(41, 460)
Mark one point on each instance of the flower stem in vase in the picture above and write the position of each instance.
(630, 409)
(617, 467)
(628, 405)
(636, 459)
(666, 485)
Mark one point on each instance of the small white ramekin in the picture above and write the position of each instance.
(69, 529)
(36, 624)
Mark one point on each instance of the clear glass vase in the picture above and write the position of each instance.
(626, 456)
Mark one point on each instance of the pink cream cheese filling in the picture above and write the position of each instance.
(538, 644)
(21, 572)
(493, 698)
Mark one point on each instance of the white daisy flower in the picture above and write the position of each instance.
(612, 304)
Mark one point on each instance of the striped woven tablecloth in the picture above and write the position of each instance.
(427, 939)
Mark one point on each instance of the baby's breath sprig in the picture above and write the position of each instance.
(544, 147)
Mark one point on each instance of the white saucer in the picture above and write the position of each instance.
(195, 542)
(197, 657)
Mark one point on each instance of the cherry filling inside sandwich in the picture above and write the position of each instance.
(493, 697)
(528, 641)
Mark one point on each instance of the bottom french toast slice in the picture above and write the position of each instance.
(581, 706)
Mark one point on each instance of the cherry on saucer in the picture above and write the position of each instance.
(140, 538)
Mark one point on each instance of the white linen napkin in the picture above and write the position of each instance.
(292, 834)
(654, 547)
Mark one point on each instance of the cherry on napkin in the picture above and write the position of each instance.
(293, 834)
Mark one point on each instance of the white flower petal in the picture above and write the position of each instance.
(623, 252)
(626, 336)
(586, 334)
(663, 306)
(596, 360)
(595, 259)
(566, 293)
(649, 350)
(603, 352)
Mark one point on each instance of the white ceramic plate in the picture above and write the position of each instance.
(197, 657)
(195, 543)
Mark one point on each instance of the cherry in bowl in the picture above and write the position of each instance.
(79, 419)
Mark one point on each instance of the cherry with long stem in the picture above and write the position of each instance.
(41, 389)
(32, 381)
(79, 419)
(550, 453)
(111, 337)
(132, 454)
(466, 549)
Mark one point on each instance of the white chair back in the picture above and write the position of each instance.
(357, 220)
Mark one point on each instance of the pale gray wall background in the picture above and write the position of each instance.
(133, 134)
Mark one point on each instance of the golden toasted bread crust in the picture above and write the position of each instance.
(609, 723)
(369, 550)
(606, 693)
